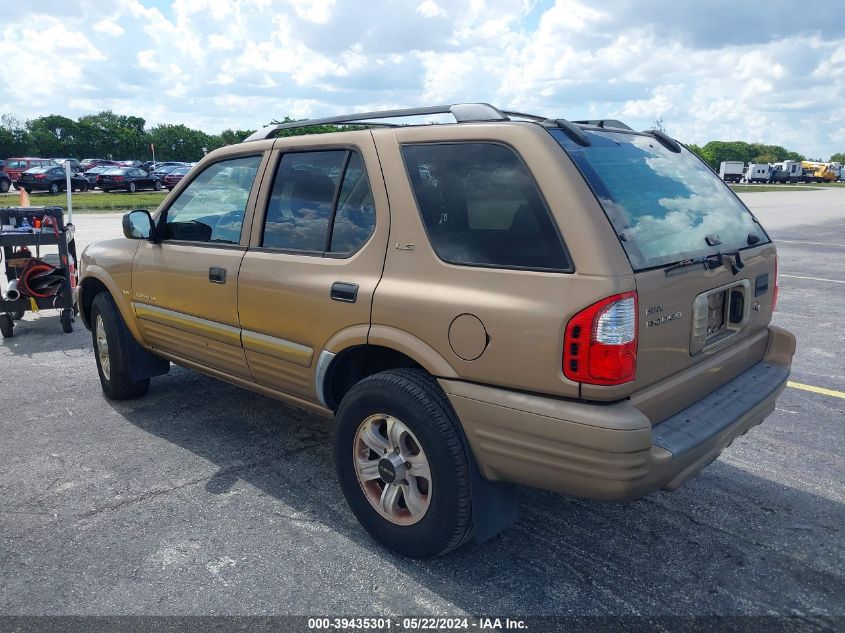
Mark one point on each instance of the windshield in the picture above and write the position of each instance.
(664, 206)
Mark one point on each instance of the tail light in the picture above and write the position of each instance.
(39, 176)
(117, 178)
(777, 288)
(600, 342)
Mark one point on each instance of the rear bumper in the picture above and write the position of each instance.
(610, 451)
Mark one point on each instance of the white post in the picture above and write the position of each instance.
(153, 149)
(68, 189)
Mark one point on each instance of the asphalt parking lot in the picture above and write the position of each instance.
(205, 499)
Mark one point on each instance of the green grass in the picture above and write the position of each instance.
(100, 202)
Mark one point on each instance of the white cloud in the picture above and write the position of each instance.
(430, 9)
(108, 27)
(217, 63)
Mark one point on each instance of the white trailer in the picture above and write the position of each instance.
(731, 170)
(758, 172)
(787, 171)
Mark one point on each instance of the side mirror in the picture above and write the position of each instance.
(138, 225)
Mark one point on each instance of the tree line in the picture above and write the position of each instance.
(121, 137)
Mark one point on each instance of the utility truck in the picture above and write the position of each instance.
(731, 170)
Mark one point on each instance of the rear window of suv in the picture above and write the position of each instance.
(481, 207)
(664, 206)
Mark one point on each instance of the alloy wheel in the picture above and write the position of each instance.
(392, 469)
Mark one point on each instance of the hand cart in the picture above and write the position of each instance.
(21, 229)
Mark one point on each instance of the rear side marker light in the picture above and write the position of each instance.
(600, 342)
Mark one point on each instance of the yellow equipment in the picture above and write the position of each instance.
(818, 172)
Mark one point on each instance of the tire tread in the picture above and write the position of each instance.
(423, 388)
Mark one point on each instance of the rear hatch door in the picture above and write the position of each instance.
(704, 267)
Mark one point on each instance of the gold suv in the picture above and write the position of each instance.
(506, 299)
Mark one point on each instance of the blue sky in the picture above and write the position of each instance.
(711, 70)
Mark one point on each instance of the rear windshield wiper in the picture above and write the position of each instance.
(710, 262)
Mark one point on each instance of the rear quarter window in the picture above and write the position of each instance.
(481, 207)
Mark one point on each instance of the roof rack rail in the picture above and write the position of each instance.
(606, 123)
(575, 133)
(463, 113)
(665, 140)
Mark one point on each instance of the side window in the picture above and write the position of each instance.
(321, 202)
(480, 206)
(211, 208)
(356, 213)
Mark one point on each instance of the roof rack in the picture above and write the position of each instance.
(605, 123)
(463, 113)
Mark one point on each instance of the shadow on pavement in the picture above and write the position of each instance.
(728, 542)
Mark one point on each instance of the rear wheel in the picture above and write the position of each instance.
(111, 350)
(66, 319)
(402, 464)
(157, 185)
(7, 327)
(54, 188)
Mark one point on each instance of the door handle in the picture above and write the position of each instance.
(217, 275)
(343, 291)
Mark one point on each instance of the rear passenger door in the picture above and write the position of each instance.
(315, 257)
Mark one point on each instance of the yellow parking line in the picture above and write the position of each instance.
(833, 281)
(821, 390)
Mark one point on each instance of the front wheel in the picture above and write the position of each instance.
(131, 187)
(85, 188)
(54, 188)
(157, 185)
(402, 465)
(111, 351)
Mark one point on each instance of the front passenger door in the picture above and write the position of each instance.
(185, 286)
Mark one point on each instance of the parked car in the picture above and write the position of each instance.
(75, 165)
(91, 174)
(88, 163)
(160, 171)
(129, 178)
(16, 166)
(129, 163)
(5, 182)
(526, 308)
(174, 177)
(51, 179)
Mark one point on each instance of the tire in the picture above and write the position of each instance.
(85, 188)
(107, 323)
(54, 188)
(66, 318)
(131, 187)
(28, 189)
(157, 185)
(412, 398)
(16, 316)
(5, 185)
(7, 326)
